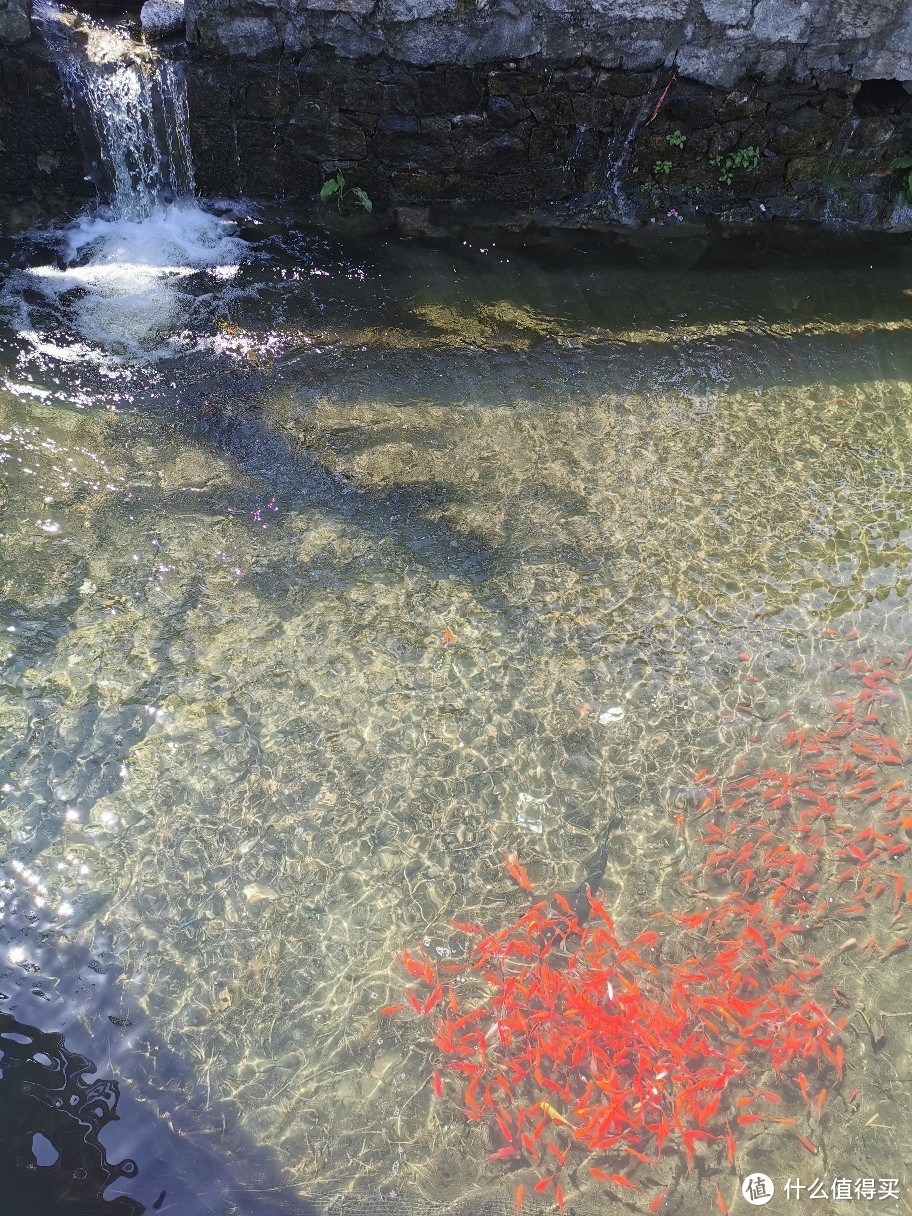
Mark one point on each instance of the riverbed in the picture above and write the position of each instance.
(335, 569)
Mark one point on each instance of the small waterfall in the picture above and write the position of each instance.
(617, 153)
(140, 117)
(133, 274)
(134, 103)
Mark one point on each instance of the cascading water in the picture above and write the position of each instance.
(131, 256)
(136, 111)
(616, 158)
(136, 106)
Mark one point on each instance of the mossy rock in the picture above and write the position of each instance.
(807, 169)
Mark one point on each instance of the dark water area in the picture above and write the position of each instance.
(45, 1092)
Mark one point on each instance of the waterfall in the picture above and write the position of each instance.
(133, 102)
(139, 113)
(132, 275)
(616, 158)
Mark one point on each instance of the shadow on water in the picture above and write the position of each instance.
(577, 285)
(500, 327)
(265, 454)
(543, 371)
(51, 1115)
(76, 1143)
(79, 769)
(61, 1009)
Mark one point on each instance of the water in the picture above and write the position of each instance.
(244, 765)
(334, 570)
(121, 273)
(617, 157)
(136, 106)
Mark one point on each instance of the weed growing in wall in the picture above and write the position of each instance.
(903, 164)
(744, 159)
(336, 187)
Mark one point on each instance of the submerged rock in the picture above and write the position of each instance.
(161, 18)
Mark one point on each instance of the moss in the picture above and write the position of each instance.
(807, 169)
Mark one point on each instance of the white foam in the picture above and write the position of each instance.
(127, 277)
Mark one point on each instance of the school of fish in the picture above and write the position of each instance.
(626, 1061)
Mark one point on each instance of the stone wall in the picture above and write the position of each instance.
(776, 108)
(42, 168)
(568, 142)
(717, 42)
(728, 112)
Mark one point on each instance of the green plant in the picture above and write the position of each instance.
(746, 159)
(646, 186)
(335, 186)
(903, 165)
(676, 139)
(662, 167)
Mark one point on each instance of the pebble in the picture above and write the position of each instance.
(256, 892)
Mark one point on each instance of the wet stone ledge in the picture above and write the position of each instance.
(554, 143)
(42, 165)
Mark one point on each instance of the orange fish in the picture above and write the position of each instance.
(516, 871)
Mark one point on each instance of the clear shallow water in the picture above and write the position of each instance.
(243, 766)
